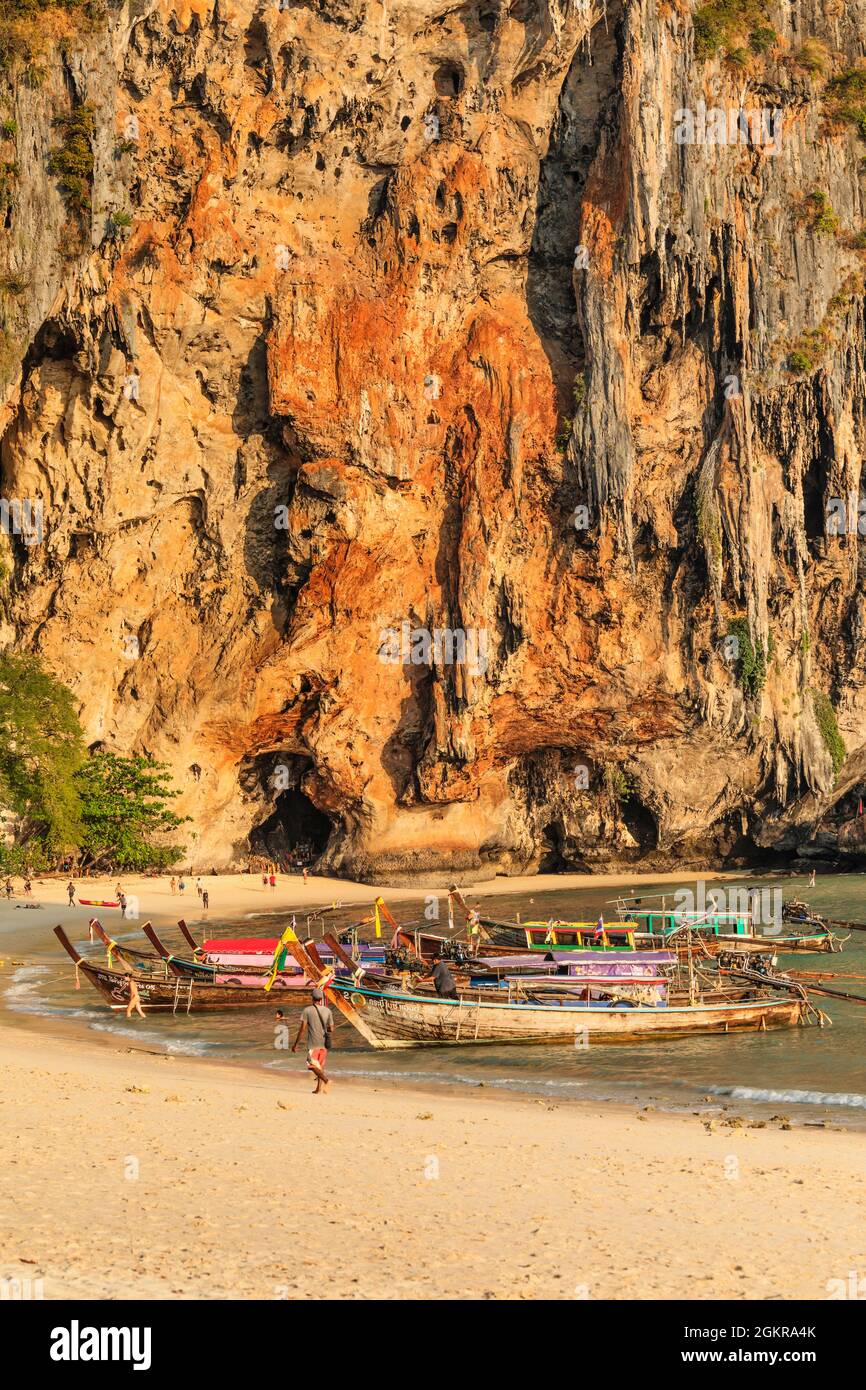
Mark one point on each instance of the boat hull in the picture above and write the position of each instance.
(409, 1021)
(186, 995)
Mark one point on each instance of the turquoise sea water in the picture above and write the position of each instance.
(813, 1074)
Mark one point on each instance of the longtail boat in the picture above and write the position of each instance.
(399, 1018)
(411, 1020)
(257, 952)
(184, 993)
(564, 936)
(719, 930)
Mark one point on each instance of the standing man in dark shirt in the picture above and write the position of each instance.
(443, 979)
(317, 1022)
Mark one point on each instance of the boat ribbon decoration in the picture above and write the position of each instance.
(289, 935)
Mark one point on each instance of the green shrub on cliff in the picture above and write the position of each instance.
(751, 659)
(845, 98)
(819, 213)
(719, 24)
(72, 161)
(32, 27)
(825, 716)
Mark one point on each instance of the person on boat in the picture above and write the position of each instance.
(442, 978)
(134, 1004)
(317, 1024)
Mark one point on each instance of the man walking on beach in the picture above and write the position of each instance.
(317, 1022)
(205, 899)
(70, 888)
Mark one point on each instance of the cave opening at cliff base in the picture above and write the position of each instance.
(295, 831)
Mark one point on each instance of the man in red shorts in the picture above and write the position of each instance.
(317, 1022)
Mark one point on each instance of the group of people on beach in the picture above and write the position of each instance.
(10, 887)
(179, 886)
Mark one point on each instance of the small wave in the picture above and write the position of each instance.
(791, 1096)
(21, 994)
(186, 1047)
(451, 1079)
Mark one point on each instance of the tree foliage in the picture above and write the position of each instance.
(41, 749)
(125, 810)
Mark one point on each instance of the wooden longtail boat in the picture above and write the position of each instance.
(721, 931)
(395, 1018)
(147, 962)
(256, 952)
(563, 936)
(183, 993)
(411, 1020)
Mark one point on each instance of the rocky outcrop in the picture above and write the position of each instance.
(437, 463)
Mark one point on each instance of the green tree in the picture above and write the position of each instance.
(41, 748)
(124, 809)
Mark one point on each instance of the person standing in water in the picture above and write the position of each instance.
(134, 1001)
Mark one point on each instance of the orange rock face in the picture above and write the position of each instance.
(423, 528)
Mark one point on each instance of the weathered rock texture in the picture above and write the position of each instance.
(373, 389)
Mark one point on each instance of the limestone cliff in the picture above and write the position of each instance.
(393, 319)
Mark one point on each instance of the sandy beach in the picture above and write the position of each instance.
(128, 1173)
(239, 894)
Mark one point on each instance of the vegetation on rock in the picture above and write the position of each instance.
(720, 24)
(30, 27)
(751, 659)
(72, 161)
(846, 98)
(108, 809)
(825, 716)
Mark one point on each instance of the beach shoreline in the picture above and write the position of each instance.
(151, 1176)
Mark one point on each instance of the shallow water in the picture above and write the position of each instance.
(812, 1073)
